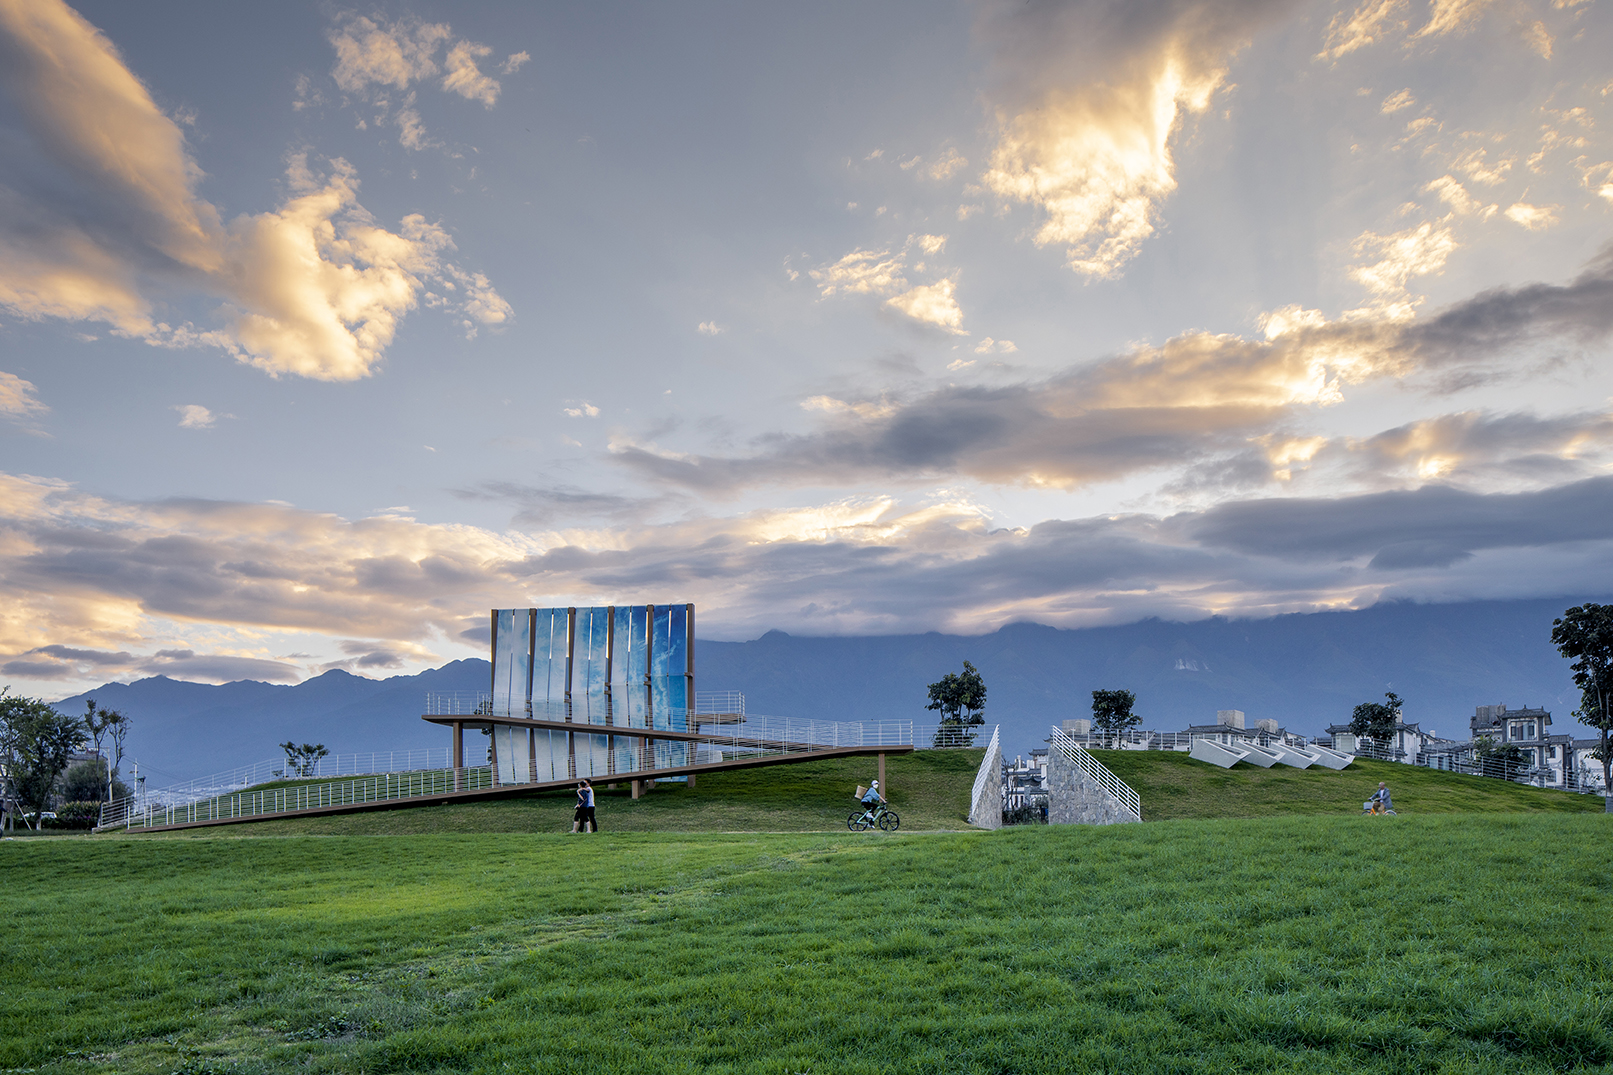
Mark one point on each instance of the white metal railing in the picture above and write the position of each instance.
(263, 772)
(267, 802)
(1096, 771)
(725, 702)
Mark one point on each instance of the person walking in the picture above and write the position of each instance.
(583, 819)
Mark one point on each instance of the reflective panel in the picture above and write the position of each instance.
(590, 662)
(630, 667)
(550, 637)
(669, 663)
(512, 660)
(509, 754)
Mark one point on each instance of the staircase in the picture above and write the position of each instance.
(1082, 790)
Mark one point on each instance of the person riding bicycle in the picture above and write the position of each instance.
(872, 798)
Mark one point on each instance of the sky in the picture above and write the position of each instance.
(325, 329)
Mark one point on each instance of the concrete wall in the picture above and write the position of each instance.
(1074, 800)
(986, 811)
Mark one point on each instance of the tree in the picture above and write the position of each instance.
(1376, 720)
(1111, 712)
(1591, 714)
(38, 742)
(1584, 635)
(1498, 759)
(100, 723)
(961, 698)
(301, 760)
(86, 782)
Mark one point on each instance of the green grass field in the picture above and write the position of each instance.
(1173, 785)
(1455, 943)
(930, 790)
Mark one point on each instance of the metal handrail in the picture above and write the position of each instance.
(263, 772)
(1095, 770)
(267, 802)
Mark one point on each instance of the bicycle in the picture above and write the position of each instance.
(863, 820)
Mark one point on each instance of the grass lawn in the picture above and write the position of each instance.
(1456, 943)
(928, 788)
(1173, 785)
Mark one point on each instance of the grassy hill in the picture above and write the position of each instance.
(1462, 943)
(1173, 785)
(930, 789)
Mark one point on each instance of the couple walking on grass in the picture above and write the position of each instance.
(582, 820)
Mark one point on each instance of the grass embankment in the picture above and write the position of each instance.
(929, 789)
(1438, 944)
(1173, 785)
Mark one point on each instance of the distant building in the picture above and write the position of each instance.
(1409, 744)
(1550, 756)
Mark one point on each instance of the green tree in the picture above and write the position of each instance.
(961, 698)
(1498, 759)
(1111, 712)
(111, 726)
(301, 760)
(86, 782)
(38, 742)
(1376, 720)
(1584, 635)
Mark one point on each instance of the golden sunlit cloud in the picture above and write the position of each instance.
(315, 288)
(1090, 149)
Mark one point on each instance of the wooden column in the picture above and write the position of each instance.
(882, 788)
(459, 755)
(638, 788)
(691, 781)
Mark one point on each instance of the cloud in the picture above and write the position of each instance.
(1489, 447)
(990, 346)
(375, 55)
(583, 409)
(710, 328)
(392, 54)
(861, 272)
(882, 272)
(1418, 251)
(1197, 398)
(932, 304)
(1452, 17)
(1395, 102)
(1533, 217)
(79, 565)
(465, 78)
(101, 212)
(18, 397)
(1090, 100)
(1368, 24)
(194, 416)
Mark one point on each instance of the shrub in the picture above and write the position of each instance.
(76, 815)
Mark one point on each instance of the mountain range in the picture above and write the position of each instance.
(1305, 670)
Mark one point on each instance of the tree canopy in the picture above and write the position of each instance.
(36, 743)
(961, 698)
(1584, 635)
(1111, 711)
(1376, 720)
(301, 760)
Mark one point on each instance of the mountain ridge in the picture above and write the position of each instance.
(1306, 670)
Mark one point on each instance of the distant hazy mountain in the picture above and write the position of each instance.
(183, 730)
(1306, 671)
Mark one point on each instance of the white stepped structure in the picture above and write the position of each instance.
(986, 801)
(1226, 756)
(1216, 753)
(1082, 791)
